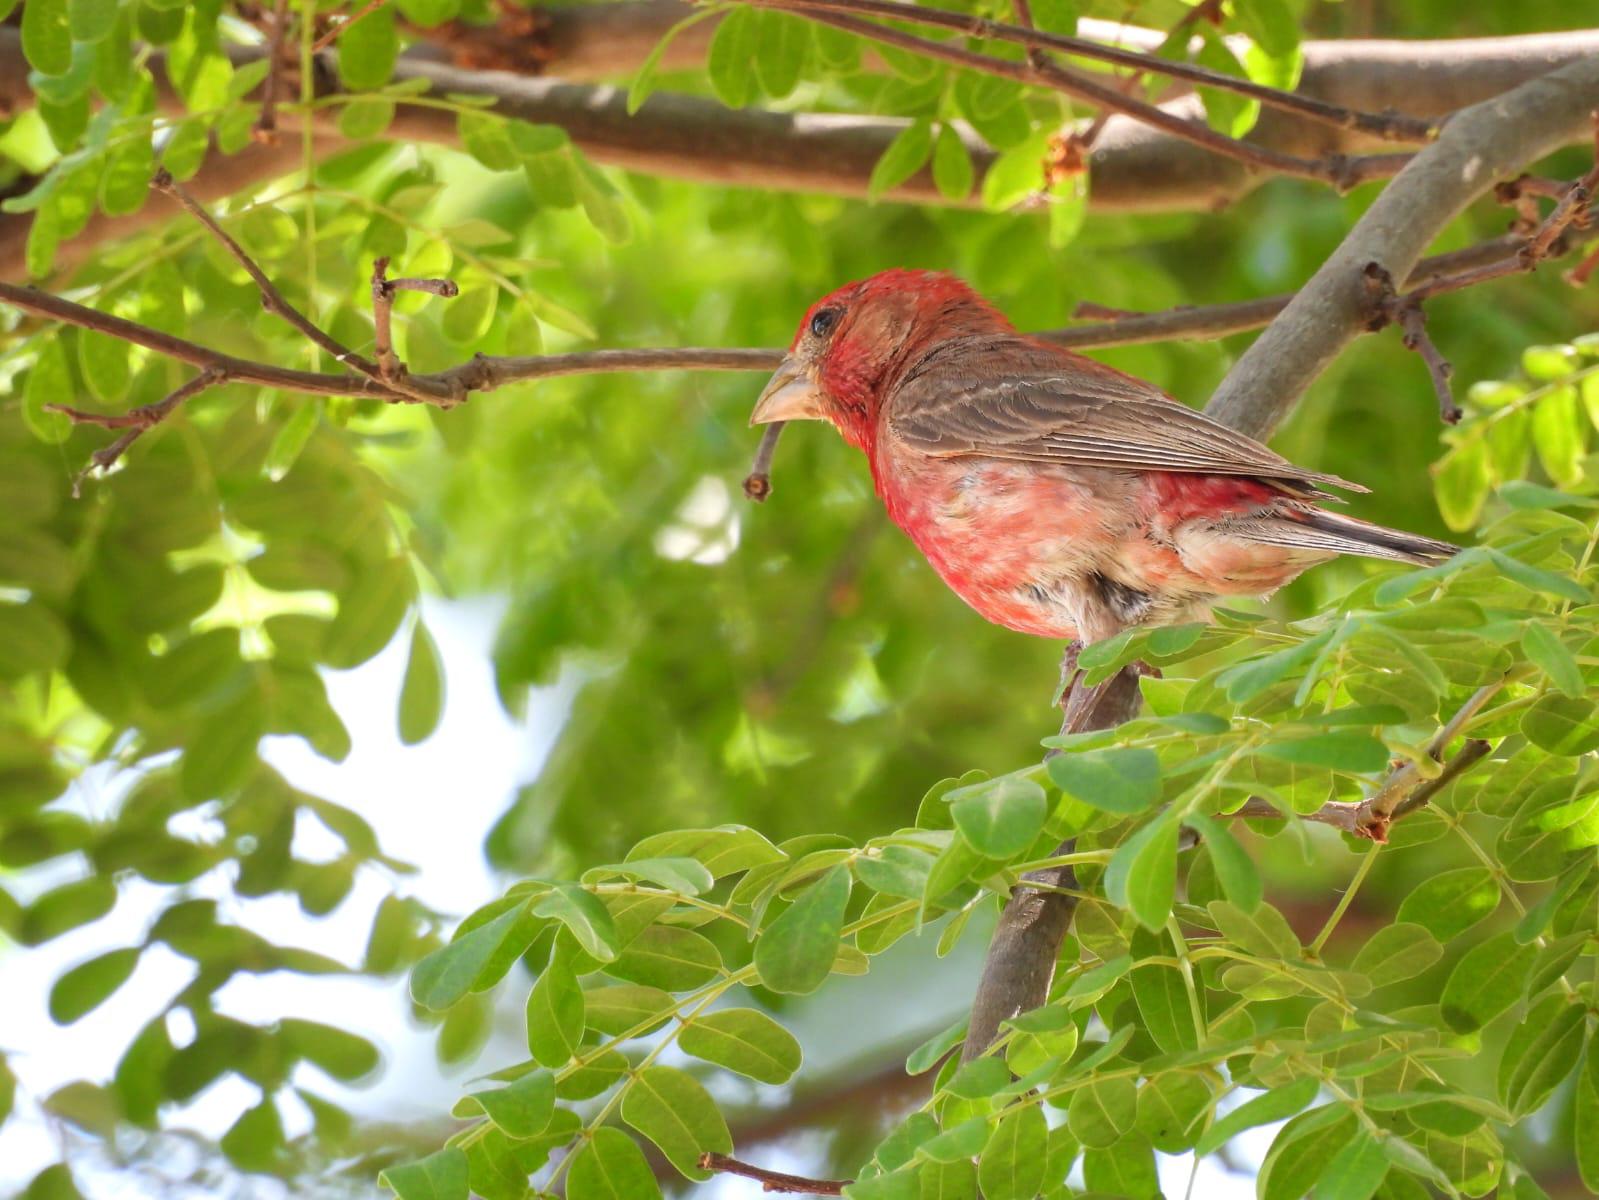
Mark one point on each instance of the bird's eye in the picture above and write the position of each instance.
(822, 323)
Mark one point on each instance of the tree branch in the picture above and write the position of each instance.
(1478, 148)
(1132, 168)
(773, 1181)
(1385, 126)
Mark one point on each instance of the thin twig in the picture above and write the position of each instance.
(265, 129)
(332, 35)
(136, 422)
(1340, 170)
(271, 299)
(773, 1181)
(758, 483)
(1389, 126)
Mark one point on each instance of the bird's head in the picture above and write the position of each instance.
(854, 343)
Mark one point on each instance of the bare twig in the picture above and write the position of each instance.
(265, 129)
(758, 483)
(136, 422)
(271, 299)
(1388, 126)
(773, 1181)
(1362, 818)
(332, 35)
(1339, 170)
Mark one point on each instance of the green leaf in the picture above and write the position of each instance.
(362, 118)
(587, 919)
(1541, 1052)
(902, 159)
(1487, 980)
(89, 984)
(344, 1055)
(520, 1109)
(953, 174)
(1012, 1163)
(1462, 480)
(601, 204)
(724, 850)
(1278, 1104)
(1587, 1114)
(1163, 1002)
(1017, 174)
(668, 957)
(449, 973)
(47, 36)
(960, 1142)
(670, 1108)
(422, 693)
(1172, 1108)
(681, 874)
(729, 59)
(1121, 781)
(91, 20)
(782, 45)
(290, 440)
(1142, 875)
(644, 78)
(796, 952)
(1303, 1152)
(368, 49)
(1397, 952)
(1102, 1111)
(745, 1041)
(1548, 653)
(617, 1008)
(50, 382)
(1447, 905)
(555, 1015)
(999, 819)
(1356, 1171)
(1559, 434)
(610, 1166)
(439, 1176)
(1562, 725)
(1126, 1168)
(1342, 750)
(947, 1181)
(931, 1052)
(1537, 580)
(1265, 933)
(1235, 870)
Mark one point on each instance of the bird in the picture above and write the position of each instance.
(1055, 495)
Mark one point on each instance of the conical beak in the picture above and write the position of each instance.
(788, 396)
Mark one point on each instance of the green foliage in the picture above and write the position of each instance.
(794, 670)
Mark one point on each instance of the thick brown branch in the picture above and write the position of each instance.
(773, 1181)
(1132, 168)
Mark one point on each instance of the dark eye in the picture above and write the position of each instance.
(822, 323)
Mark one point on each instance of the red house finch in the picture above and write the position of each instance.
(1056, 496)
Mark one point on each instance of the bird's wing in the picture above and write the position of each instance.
(1081, 414)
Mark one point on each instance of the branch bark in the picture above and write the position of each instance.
(1478, 148)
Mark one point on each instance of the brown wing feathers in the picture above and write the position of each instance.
(1082, 414)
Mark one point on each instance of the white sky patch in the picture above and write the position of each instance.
(705, 529)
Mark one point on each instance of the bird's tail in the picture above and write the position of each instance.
(1318, 529)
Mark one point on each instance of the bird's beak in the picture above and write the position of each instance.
(788, 396)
